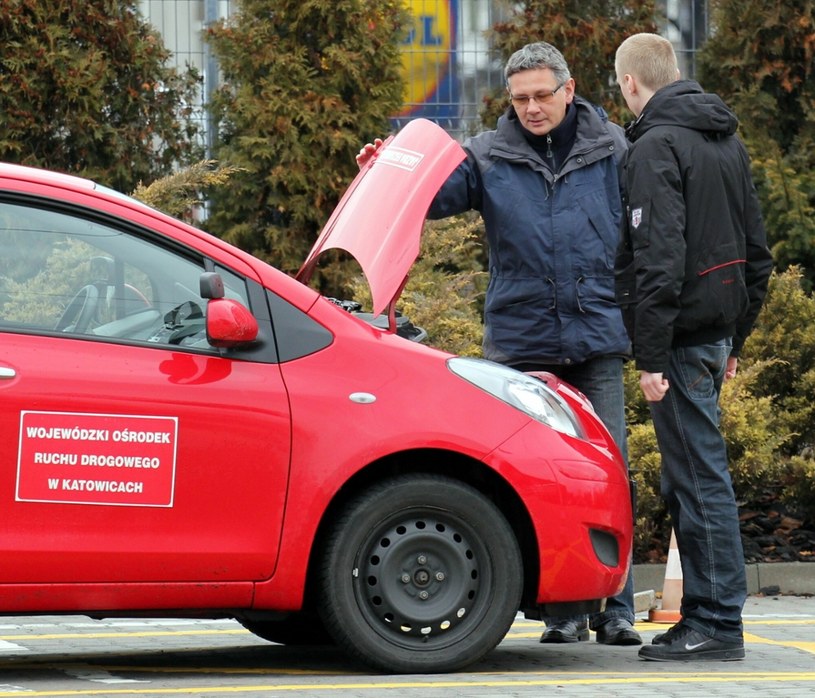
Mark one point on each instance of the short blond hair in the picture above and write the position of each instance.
(648, 57)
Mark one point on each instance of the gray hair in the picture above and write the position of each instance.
(538, 55)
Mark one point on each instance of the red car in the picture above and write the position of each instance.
(188, 431)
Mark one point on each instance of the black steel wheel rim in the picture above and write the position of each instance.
(422, 578)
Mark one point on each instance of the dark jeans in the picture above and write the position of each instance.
(698, 491)
(601, 381)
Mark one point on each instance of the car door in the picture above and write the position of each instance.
(131, 450)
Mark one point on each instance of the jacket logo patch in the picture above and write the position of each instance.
(636, 217)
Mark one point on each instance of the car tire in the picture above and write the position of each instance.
(420, 574)
(299, 629)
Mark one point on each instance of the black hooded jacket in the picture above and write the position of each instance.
(693, 264)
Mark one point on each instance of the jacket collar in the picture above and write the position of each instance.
(592, 140)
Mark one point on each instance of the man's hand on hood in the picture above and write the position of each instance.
(367, 152)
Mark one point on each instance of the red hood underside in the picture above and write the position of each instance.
(380, 218)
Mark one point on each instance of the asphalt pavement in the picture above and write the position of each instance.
(75, 656)
(779, 662)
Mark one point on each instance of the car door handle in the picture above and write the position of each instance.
(6, 373)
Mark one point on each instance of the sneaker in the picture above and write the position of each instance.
(687, 645)
(567, 630)
(618, 631)
(667, 636)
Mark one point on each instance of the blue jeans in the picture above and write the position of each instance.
(601, 381)
(698, 491)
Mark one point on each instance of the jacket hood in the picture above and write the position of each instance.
(684, 103)
(380, 218)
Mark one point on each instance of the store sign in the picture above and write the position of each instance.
(428, 60)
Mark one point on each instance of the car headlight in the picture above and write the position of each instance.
(529, 395)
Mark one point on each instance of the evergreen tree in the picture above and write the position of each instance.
(306, 83)
(760, 59)
(85, 89)
(587, 33)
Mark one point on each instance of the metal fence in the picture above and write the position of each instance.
(448, 61)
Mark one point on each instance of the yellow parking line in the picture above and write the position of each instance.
(805, 646)
(749, 638)
(554, 680)
(145, 633)
(484, 680)
(647, 625)
(536, 625)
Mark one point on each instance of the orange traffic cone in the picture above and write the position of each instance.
(671, 589)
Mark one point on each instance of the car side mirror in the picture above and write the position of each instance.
(229, 324)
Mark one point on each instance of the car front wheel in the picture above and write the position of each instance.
(420, 574)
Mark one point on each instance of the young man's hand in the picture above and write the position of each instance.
(654, 386)
(732, 367)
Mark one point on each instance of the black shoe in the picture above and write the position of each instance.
(688, 645)
(667, 636)
(567, 630)
(618, 631)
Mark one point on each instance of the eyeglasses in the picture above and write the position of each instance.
(542, 97)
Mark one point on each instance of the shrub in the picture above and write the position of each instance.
(799, 488)
(755, 433)
(784, 338)
(88, 89)
(650, 539)
(305, 85)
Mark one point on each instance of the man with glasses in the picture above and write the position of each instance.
(546, 182)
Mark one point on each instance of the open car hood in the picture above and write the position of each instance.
(379, 220)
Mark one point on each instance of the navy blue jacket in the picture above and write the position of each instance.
(552, 240)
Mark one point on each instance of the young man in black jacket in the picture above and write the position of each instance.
(692, 271)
